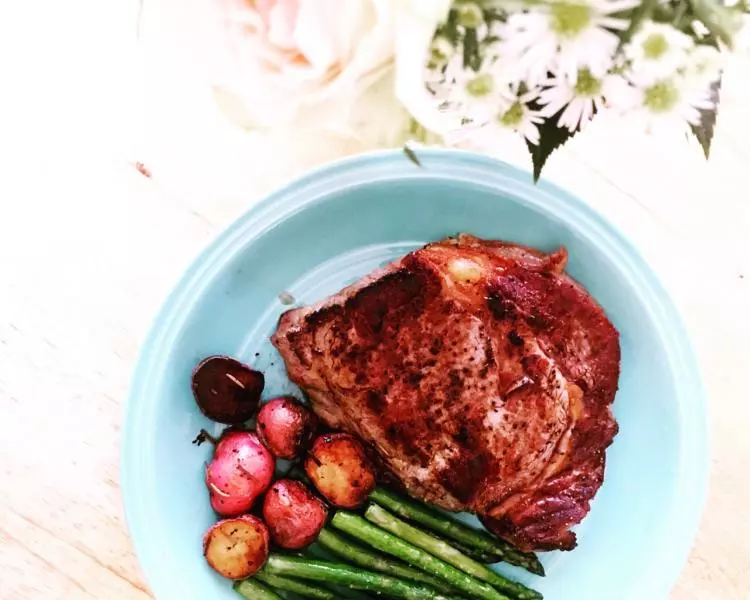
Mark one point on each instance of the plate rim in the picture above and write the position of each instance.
(314, 186)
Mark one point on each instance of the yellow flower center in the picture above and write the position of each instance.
(513, 116)
(655, 46)
(661, 97)
(440, 50)
(470, 15)
(569, 19)
(481, 85)
(587, 85)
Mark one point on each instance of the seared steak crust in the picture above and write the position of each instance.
(481, 375)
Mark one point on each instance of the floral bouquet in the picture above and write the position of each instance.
(461, 73)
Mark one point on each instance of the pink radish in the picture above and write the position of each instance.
(286, 427)
(240, 471)
(293, 514)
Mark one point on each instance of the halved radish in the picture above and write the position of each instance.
(237, 548)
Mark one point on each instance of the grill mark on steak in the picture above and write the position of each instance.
(487, 389)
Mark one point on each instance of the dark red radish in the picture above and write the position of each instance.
(240, 471)
(237, 548)
(293, 514)
(340, 470)
(286, 427)
(226, 390)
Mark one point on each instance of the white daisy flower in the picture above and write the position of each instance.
(518, 92)
(578, 99)
(516, 118)
(562, 36)
(704, 65)
(441, 51)
(658, 50)
(475, 94)
(520, 118)
(670, 103)
(516, 115)
(512, 116)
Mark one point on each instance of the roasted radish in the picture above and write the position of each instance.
(237, 548)
(286, 427)
(293, 514)
(226, 390)
(339, 468)
(240, 471)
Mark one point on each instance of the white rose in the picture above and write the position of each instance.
(307, 81)
(301, 63)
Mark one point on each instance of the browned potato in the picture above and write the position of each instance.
(227, 391)
(237, 548)
(340, 470)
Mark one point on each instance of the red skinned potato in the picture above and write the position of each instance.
(237, 548)
(293, 514)
(286, 427)
(240, 471)
(340, 470)
(227, 391)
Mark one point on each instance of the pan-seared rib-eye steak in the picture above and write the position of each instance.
(480, 374)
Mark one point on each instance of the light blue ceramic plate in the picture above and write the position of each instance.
(335, 224)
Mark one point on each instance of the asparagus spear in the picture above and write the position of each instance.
(318, 570)
(364, 557)
(317, 551)
(382, 518)
(254, 590)
(439, 523)
(292, 585)
(478, 555)
(390, 544)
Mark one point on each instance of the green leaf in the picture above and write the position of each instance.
(411, 155)
(472, 59)
(449, 29)
(704, 132)
(551, 137)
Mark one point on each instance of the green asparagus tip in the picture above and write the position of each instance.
(536, 567)
(478, 542)
(446, 552)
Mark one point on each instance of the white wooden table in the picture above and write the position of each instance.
(89, 247)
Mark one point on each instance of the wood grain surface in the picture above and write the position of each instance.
(90, 246)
